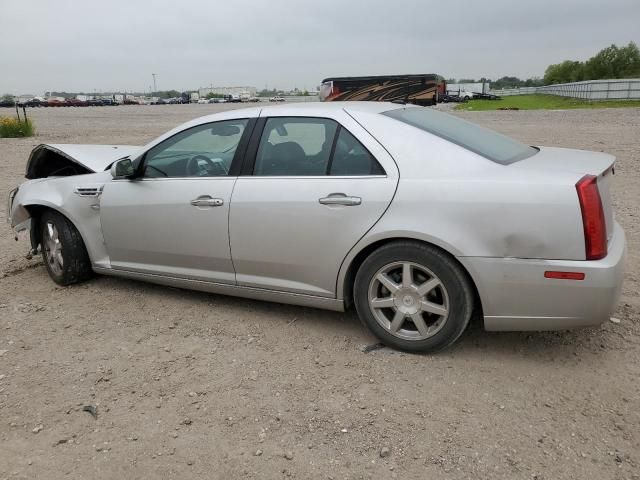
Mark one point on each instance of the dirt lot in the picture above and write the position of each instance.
(191, 385)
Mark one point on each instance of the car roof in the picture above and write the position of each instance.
(316, 108)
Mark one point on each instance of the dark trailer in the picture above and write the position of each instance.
(426, 89)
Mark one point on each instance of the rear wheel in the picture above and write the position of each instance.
(63, 252)
(413, 297)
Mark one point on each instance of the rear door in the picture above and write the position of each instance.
(311, 188)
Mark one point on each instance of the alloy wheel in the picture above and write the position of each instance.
(408, 300)
(53, 249)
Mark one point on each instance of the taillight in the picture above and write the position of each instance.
(595, 229)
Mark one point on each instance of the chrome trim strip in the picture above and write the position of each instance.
(88, 190)
(231, 290)
(263, 177)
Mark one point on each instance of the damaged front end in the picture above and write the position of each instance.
(61, 178)
(17, 216)
(20, 219)
(64, 160)
(47, 161)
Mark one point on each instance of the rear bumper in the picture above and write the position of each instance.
(516, 296)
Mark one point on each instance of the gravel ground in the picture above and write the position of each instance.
(191, 385)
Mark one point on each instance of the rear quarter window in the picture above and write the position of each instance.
(491, 145)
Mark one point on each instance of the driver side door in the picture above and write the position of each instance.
(173, 219)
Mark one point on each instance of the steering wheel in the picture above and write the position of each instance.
(194, 169)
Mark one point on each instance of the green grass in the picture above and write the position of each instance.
(14, 127)
(543, 102)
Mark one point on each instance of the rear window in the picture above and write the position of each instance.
(492, 145)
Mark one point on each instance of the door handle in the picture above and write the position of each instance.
(340, 199)
(207, 201)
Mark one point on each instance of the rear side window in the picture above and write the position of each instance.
(492, 145)
(295, 146)
(351, 158)
(303, 146)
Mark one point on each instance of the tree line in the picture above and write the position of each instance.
(610, 62)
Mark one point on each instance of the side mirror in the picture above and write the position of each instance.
(122, 168)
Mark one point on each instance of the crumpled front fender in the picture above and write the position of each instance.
(59, 194)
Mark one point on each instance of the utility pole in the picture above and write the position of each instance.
(155, 87)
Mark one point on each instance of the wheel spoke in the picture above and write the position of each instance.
(427, 286)
(431, 307)
(388, 283)
(407, 279)
(50, 230)
(418, 321)
(386, 302)
(398, 320)
(59, 259)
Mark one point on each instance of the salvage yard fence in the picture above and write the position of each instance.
(587, 90)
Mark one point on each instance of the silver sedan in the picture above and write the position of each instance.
(416, 218)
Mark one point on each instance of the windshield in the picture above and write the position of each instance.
(494, 146)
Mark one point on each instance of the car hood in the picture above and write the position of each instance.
(72, 159)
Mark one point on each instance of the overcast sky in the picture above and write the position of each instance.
(116, 45)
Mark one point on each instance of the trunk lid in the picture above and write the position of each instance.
(580, 163)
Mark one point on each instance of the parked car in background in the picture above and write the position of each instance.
(458, 96)
(276, 99)
(34, 102)
(451, 98)
(336, 204)
(56, 102)
(74, 102)
(7, 103)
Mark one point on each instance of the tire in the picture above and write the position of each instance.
(63, 252)
(438, 288)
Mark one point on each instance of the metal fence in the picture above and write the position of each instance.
(588, 90)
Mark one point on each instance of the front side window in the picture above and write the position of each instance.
(298, 146)
(203, 151)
